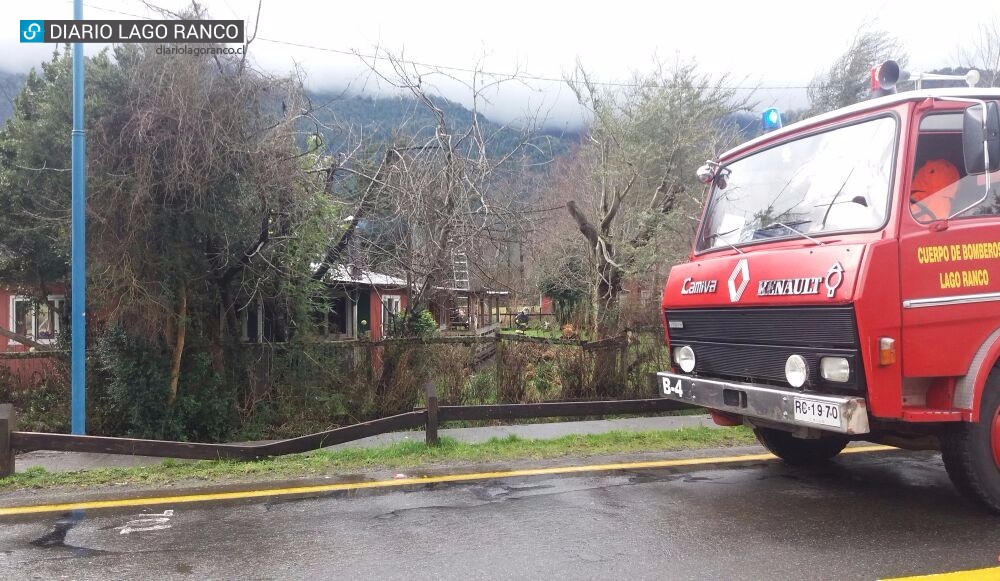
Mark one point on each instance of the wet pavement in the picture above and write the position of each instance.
(864, 516)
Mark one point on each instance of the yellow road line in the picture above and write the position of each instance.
(243, 494)
(988, 574)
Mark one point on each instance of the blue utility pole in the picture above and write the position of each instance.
(78, 271)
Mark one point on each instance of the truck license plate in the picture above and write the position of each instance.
(816, 412)
(673, 388)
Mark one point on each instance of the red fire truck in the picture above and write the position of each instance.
(845, 284)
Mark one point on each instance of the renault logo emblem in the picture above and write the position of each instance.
(833, 280)
(739, 280)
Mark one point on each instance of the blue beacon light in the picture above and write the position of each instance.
(771, 119)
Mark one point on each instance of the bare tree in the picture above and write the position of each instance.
(445, 192)
(983, 52)
(636, 192)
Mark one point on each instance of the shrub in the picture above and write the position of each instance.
(300, 387)
(136, 377)
(450, 368)
(481, 388)
(421, 324)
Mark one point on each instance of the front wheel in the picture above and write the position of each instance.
(799, 451)
(971, 452)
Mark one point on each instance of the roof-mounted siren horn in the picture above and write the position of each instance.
(885, 76)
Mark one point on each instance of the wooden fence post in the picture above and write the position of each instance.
(7, 425)
(430, 389)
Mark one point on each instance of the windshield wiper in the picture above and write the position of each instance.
(799, 223)
(724, 241)
(835, 196)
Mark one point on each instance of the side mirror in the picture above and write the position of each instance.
(711, 173)
(981, 138)
(706, 174)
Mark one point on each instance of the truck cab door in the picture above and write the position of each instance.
(949, 269)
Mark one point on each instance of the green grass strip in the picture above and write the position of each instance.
(406, 454)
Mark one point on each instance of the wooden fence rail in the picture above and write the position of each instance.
(559, 409)
(29, 441)
(12, 440)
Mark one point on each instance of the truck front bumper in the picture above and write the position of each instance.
(835, 413)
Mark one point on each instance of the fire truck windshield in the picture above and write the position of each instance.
(826, 182)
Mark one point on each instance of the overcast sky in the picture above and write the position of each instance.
(773, 44)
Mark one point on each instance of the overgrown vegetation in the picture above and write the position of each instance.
(617, 368)
(135, 382)
(289, 390)
(198, 202)
(217, 198)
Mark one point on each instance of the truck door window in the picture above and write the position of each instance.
(939, 185)
(832, 181)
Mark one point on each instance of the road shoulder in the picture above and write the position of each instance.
(58, 495)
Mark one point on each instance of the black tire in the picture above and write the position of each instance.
(799, 451)
(967, 451)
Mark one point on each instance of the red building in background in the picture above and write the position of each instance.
(40, 322)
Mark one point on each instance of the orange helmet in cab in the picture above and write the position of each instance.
(933, 190)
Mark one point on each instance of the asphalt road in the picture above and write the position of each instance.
(864, 516)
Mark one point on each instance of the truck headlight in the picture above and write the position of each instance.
(684, 358)
(835, 369)
(796, 370)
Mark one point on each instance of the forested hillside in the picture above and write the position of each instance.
(345, 120)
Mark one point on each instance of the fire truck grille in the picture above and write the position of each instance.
(751, 344)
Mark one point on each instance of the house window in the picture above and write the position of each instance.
(391, 304)
(22, 318)
(252, 318)
(39, 321)
(262, 322)
(338, 321)
(644, 296)
(340, 318)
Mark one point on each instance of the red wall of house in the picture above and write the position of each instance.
(28, 372)
(375, 302)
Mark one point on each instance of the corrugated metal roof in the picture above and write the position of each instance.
(342, 274)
